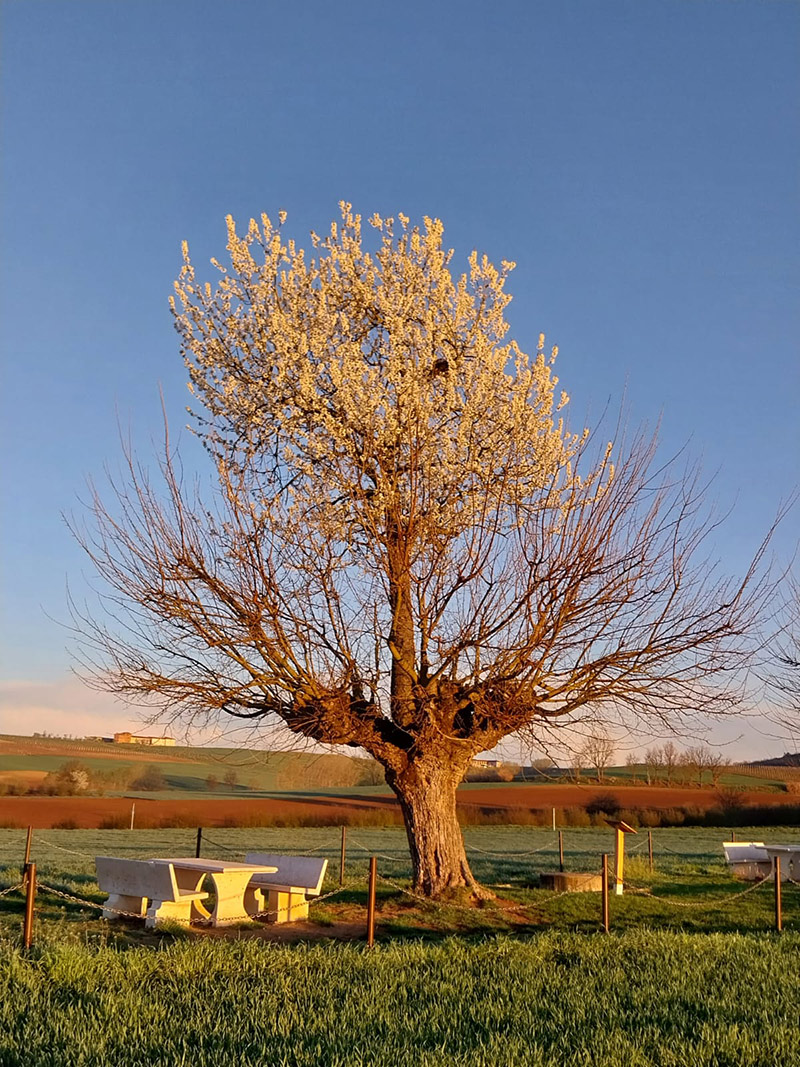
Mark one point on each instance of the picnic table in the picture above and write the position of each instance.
(790, 860)
(229, 877)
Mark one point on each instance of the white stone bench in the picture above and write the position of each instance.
(296, 879)
(132, 883)
(747, 859)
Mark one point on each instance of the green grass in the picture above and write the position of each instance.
(703, 985)
(641, 999)
(690, 889)
(186, 769)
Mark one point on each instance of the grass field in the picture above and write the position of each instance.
(691, 975)
(641, 999)
(690, 888)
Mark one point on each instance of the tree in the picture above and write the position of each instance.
(652, 764)
(71, 778)
(598, 752)
(783, 676)
(633, 764)
(403, 549)
(701, 758)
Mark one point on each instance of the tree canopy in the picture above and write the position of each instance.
(407, 549)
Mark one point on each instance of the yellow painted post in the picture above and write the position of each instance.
(778, 916)
(622, 828)
(619, 861)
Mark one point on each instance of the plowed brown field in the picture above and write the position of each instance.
(91, 812)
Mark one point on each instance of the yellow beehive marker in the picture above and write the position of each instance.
(622, 828)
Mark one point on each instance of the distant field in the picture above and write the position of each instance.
(301, 788)
(511, 803)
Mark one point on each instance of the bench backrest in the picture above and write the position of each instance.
(303, 872)
(745, 852)
(136, 878)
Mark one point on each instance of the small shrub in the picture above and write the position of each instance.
(604, 803)
(118, 821)
(672, 817)
(65, 824)
(151, 779)
(730, 800)
(649, 817)
(576, 817)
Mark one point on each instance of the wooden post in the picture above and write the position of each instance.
(561, 851)
(619, 861)
(554, 820)
(199, 842)
(133, 813)
(343, 855)
(733, 835)
(778, 916)
(25, 865)
(650, 848)
(30, 895)
(373, 875)
(605, 892)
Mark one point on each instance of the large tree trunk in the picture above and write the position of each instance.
(426, 789)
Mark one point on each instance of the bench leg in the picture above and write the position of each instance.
(123, 902)
(287, 907)
(254, 901)
(159, 910)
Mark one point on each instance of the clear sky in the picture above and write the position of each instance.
(638, 159)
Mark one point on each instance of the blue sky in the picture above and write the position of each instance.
(638, 159)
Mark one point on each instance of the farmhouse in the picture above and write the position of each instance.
(125, 738)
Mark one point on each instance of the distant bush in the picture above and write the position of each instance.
(604, 803)
(65, 824)
(576, 817)
(71, 779)
(115, 822)
(150, 780)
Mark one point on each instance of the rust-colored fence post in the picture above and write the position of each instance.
(373, 877)
(561, 850)
(198, 843)
(27, 861)
(30, 896)
(343, 855)
(133, 813)
(778, 916)
(605, 892)
(650, 848)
